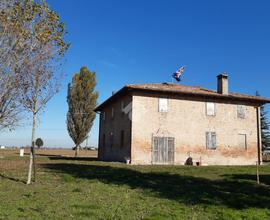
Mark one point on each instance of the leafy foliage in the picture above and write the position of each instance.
(265, 126)
(82, 99)
(39, 142)
(13, 53)
(34, 35)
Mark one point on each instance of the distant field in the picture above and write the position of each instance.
(85, 188)
(50, 152)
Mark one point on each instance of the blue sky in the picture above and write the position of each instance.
(144, 41)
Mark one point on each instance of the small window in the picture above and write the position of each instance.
(111, 139)
(241, 113)
(242, 141)
(211, 140)
(122, 138)
(112, 113)
(104, 116)
(163, 105)
(104, 140)
(122, 106)
(210, 109)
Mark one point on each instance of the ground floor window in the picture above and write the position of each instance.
(242, 141)
(122, 138)
(163, 150)
(211, 142)
(104, 140)
(111, 139)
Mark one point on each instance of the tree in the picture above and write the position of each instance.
(13, 53)
(82, 99)
(265, 126)
(39, 142)
(39, 77)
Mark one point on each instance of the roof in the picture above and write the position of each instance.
(178, 89)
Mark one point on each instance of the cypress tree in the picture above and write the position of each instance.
(265, 127)
(82, 100)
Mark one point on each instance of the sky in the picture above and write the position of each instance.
(145, 41)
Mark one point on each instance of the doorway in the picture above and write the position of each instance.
(163, 150)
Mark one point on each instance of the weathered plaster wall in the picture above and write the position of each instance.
(187, 122)
(121, 121)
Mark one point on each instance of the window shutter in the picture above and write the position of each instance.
(112, 113)
(122, 138)
(210, 108)
(242, 141)
(241, 111)
(163, 105)
(211, 140)
(208, 139)
(170, 150)
(214, 140)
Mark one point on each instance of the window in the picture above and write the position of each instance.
(211, 142)
(163, 150)
(210, 109)
(122, 106)
(241, 113)
(163, 105)
(104, 140)
(111, 139)
(104, 116)
(242, 141)
(112, 113)
(122, 138)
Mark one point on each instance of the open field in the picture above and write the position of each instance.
(89, 189)
(50, 152)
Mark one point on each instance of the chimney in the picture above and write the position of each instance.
(222, 84)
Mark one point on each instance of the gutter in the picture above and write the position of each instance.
(255, 100)
(259, 135)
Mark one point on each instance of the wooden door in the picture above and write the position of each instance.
(163, 150)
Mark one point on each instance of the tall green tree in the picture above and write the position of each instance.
(82, 100)
(265, 126)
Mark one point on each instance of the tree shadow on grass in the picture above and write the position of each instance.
(186, 189)
(12, 179)
(57, 157)
(264, 179)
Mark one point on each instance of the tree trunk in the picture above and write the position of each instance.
(77, 151)
(32, 152)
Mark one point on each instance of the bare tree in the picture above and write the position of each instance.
(12, 54)
(43, 36)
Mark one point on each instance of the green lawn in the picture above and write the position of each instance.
(89, 189)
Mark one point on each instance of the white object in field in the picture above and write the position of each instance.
(2, 147)
(21, 152)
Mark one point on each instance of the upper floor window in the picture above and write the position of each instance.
(211, 140)
(210, 109)
(104, 116)
(241, 111)
(162, 105)
(112, 113)
(122, 106)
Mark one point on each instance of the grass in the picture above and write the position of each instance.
(90, 189)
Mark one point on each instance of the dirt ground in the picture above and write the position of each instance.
(49, 152)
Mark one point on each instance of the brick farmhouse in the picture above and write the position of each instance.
(168, 123)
